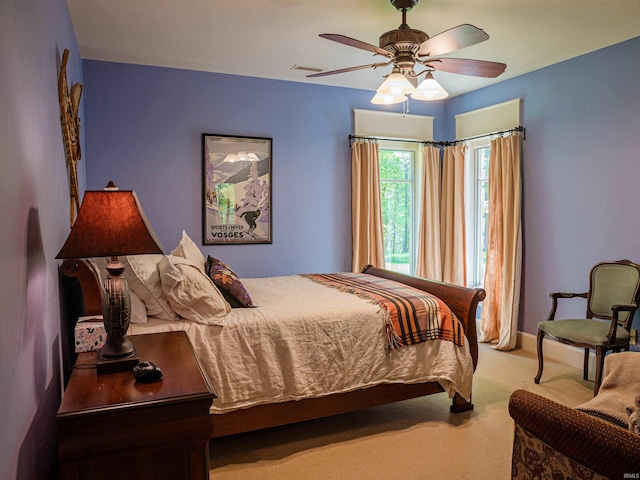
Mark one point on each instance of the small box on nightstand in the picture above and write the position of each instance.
(89, 333)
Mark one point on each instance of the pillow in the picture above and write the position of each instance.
(138, 309)
(141, 271)
(191, 294)
(99, 265)
(189, 250)
(227, 281)
(634, 416)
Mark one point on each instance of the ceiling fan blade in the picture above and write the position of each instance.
(352, 42)
(466, 66)
(453, 39)
(349, 69)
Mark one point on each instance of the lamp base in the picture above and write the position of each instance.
(114, 365)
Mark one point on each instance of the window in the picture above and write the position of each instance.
(492, 118)
(477, 209)
(398, 173)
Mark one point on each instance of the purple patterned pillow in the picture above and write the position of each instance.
(228, 283)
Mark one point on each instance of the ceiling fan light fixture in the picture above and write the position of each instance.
(396, 84)
(387, 99)
(405, 47)
(429, 89)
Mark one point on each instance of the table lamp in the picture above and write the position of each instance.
(111, 223)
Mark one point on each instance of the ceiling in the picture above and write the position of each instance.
(266, 38)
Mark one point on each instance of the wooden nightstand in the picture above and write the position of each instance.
(110, 426)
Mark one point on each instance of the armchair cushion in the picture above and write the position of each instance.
(593, 332)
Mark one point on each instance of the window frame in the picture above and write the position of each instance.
(472, 210)
(416, 184)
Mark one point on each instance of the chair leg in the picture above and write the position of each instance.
(539, 338)
(585, 374)
(599, 367)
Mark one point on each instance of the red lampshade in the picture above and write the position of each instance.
(110, 223)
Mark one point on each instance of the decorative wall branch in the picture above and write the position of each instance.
(69, 105)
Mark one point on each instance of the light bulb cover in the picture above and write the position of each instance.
(396, 84)
(429, 89)
(387, 99)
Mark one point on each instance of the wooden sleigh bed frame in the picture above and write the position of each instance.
(81, 295)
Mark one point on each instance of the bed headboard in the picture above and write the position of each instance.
(79, 295)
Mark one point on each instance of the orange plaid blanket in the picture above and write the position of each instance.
(411, 315)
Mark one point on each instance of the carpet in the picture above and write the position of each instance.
(416, 439)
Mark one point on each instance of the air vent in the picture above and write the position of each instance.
(307, 68)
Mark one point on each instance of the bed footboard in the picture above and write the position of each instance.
(462, 301)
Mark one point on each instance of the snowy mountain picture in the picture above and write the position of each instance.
(237, 190)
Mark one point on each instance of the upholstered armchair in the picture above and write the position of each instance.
(612, 299)
(558, 442)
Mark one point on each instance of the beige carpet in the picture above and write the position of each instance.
(414, 439)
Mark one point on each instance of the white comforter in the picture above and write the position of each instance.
(307, 340)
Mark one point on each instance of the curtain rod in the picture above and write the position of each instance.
(519, 128)
(423, 142)
(440, 144)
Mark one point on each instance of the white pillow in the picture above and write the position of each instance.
(99, 265)
(187, 249)
(191, 293)
(141, 271)
(138, 309)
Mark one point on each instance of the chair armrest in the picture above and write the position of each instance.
(590, 441)
(631, 307)
(554, 301)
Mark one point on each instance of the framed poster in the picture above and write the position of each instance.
(236, 200)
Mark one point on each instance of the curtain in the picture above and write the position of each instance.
(452, 218)
(366, 210)
(429, 263)
(499, 321)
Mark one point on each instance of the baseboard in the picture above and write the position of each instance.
(556, 351)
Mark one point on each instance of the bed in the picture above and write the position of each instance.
(309, 382)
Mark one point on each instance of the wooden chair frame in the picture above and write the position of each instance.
(600, 350)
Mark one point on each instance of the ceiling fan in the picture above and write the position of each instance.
(405, 47)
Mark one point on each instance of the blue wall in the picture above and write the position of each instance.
(144, 131)
(34, 215)
(581, 167)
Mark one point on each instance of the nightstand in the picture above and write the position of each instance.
(111, 426)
